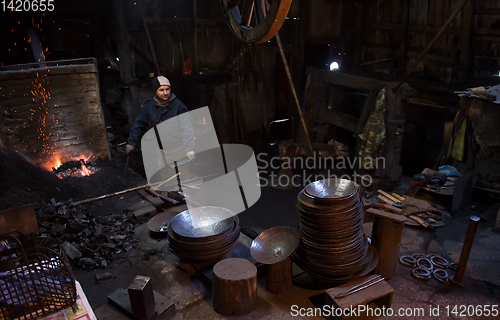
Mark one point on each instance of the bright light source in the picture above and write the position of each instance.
(334, 66)
(117, 59)
(282, 120)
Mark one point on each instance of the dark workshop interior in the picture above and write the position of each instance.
(360, 139)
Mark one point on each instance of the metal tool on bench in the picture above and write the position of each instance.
(389, 200)
(398, 204)
(360, 286)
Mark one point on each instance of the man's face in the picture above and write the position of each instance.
(163, 93)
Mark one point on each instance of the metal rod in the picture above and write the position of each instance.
(288, 74)
(149, 38)
(122, 192)
(360, 287)
(429, 46)
(467, 246)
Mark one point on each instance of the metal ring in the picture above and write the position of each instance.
(408, 261)
(440, 275)
(453, 266)
(421, 274)
(398, 204)
(421, 264)
(439, 262)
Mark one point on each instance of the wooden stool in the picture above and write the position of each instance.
(279, 276)
(234, 287)
(376, 296)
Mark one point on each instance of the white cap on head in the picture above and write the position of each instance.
(160, 81)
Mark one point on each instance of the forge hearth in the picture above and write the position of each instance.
(55, 111)
(79, 168)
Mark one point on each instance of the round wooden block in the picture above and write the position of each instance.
(234, 287)
(279, 276)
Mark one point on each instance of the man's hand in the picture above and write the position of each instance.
(129, 148)
(190, 155)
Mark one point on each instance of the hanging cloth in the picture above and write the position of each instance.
(373, 137)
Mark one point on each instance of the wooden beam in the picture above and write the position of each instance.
(415, 53)
(488, 12)
(485, 37)
(195, 36)
(246, 14)
(126, 66)
(487, 31)
(360, 33)
(338, 119)
(345, 79)
(413, 28)
(148, 36)
(466, 42)
(403, 36)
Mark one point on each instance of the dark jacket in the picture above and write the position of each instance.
(179, 132)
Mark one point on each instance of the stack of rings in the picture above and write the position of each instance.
(426, 265)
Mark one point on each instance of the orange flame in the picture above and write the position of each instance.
(85, 171)
(53, 163)
(82, 156)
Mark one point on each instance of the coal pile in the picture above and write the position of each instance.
(92, 235)
(89, 241)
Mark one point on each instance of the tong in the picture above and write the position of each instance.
(360, 286)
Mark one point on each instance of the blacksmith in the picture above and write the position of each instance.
(163, 106)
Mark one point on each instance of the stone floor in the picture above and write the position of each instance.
(191, 292)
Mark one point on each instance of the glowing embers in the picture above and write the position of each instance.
(79, 168)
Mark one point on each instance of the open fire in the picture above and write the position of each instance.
(77, 166)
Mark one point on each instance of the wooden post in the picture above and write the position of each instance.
(195, 39)
(150, 42)
(466, 42)
(386, 238)
(279, 276)
(403, 38)
(234, 288)
(287, 69)
(126, 67)
(360, 33)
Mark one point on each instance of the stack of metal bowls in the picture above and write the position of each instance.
(203, 234)
(333, 245)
